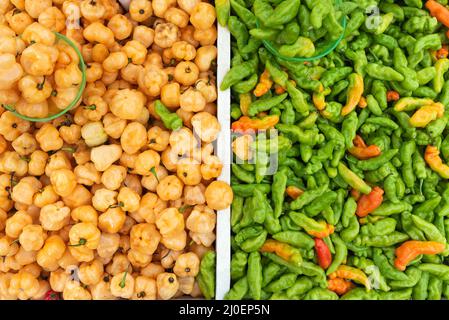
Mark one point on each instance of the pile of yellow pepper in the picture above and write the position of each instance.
(105, 202)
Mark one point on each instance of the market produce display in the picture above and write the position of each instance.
(118, 197)
(358, 207)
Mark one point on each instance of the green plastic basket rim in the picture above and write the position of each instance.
(324, 53)
(82, 67)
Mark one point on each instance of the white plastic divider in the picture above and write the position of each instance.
(223, 230)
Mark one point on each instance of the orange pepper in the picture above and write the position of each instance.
(409, 250)
(354, 93)
(362, 103)
(264, 85)
(351, 273)
(362, 151)
(293, 192)
(246, 123)
(281, 249)
(438, 11)
(393, 95)
(278, 89)
(327, 230)
(339, 286)
(442, 53)
(369, 202)
(433, 159)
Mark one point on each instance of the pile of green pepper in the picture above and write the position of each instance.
(359, 205)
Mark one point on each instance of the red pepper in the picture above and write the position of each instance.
(393, 95)
(323, 253)
(52, 295)
(369, 202)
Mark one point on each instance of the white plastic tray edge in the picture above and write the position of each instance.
(223, 230)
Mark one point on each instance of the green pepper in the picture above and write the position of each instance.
(307, 197)
(430, 230)
(238, 265)
(283, 13)
(300, 287)
(223, 9)
(206, 275)
(431, 41)
(246, 85)
(435, 288)
(236, 210)
(352, 179)
(320, 294)
(254, 275)
(238, 73)
(238, 290)
(278, 190)
(242, 174)
(265, 104)
(389, 208)
(420, 290)
(171, 120)
(302, 47)
(381, 72)
(244, 14)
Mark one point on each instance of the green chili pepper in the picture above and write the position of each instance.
(246, 190)
(254, 275)
(171, 120)
(352, 179)
(223, 9)
(307, 197)
(206, 275)
(381, 72)
(238, 290)
(238, 265)
(244, 14)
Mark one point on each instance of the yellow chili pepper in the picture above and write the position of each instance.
(245, 101)
(433, 159)
(283, 250)
(424, 115)
(264, 85)
(351, 273)
(319, 98)
(355, 92)
(410, 103)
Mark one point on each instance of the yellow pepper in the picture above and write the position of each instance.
(351, 273)
(433, 159)
(355, 92)
(319, 98)
(283, 250)
(424, 115)
(410, 103)
(264, 85)
(245, 101)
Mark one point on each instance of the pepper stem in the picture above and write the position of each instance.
(153, 171)
(123, 282)
(81, 242)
